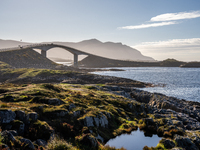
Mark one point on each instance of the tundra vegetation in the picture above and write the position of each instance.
(70, 116)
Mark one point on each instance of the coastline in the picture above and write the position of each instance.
(91, 110)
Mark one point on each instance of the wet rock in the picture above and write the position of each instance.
(28, 143)
(6, 116)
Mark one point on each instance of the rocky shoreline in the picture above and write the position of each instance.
(177, 121)
(78, 110)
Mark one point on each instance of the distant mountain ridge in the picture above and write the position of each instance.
(105, 49)
(108, 49)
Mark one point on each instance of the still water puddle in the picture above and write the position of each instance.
(136, 140)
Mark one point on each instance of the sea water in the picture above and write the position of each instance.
(182, 83)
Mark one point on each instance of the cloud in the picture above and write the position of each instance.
(149, 25)
(176, 16)
(181, 49)
(175, 44)
(165, 19)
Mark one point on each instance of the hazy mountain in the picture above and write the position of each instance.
(108, 50)
(93, 46)
(11, 43)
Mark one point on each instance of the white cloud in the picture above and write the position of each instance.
(181, 49)
(149, 25)
(176, 16)
(165, 19)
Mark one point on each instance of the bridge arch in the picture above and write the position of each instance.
(45, 47)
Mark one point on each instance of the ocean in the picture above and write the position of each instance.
(182, 83)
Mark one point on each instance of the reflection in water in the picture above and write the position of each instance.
(134, 141)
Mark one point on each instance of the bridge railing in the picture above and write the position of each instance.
(23, 46)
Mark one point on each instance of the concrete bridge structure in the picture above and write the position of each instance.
(45, 47)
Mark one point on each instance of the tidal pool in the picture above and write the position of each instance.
(136, 140)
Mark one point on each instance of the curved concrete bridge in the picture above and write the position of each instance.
(45, 47)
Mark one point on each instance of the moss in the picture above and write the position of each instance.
(39, 130)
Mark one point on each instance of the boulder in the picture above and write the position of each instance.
(20, 115)
(71, 106)
(90, 141)
(88, 121)
(18, 126)
(6, 116)
(40, 142)
(76, 113)
(101, 121)
(8, 136)
(27, 143)
(33, 116)
(168, 143)
(185, 142)
(55, 101)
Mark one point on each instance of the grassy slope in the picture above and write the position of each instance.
(26, 58)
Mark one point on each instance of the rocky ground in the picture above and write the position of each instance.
(57, 109)
(86, 116)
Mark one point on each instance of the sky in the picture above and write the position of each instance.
(157, 28)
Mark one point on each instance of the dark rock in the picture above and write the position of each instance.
(185, 142)
(33, 116)
(40, 142)
(18, 126)
(55, 101)
(141, 96)
(13, 132)
(6, 116)
(71, 106)
(168, 143)
(90, 141)
(88, 121)
(8, 136)
(28, 143)
(20, 115)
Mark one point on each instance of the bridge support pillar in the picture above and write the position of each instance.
(44, 53)
(75, 60)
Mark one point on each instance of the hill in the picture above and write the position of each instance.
(93, 46)
(191, 65)
(26, 58)
(95, 61)
(108, 49)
